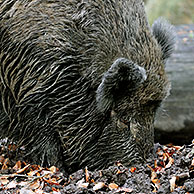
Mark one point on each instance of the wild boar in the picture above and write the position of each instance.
(81, 80)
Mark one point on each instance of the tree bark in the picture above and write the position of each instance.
(177, 116)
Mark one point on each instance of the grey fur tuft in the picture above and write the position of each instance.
(165, 35)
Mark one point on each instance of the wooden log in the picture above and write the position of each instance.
(177, 117)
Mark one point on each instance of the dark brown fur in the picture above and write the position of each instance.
(81, 80)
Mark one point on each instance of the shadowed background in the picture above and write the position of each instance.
(175, 123)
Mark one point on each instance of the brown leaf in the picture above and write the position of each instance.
(123, 189)
(177, 147)
(165, 157)
(17, 166)
(192, 163)
(4, 180)
(112, 186)
(153, 174)
(22, 183)
(5, 164)
(34, 185)
(51, 181)
(54, 189)
(39, 191)
(26, 191)
(171, 161)
(11, 185)
(156, 183)
(53, 169)
(2, 159)
(133, 169)
(56, 192)
(87, 174)
(172, 183)
(23, 169)
(32, 173)
(183, 175)
(35, 167)
(46, 173)
(118, 164)
(98, 186)
(82, 184)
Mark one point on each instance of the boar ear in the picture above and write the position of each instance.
(165, 36)
(122, 76)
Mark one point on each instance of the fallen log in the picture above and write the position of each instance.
(175, 123)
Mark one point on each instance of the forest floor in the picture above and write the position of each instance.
(170, 170)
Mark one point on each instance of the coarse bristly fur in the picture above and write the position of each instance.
(80, 81)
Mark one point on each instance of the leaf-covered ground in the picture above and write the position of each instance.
(171, 170)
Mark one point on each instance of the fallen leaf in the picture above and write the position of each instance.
(46, 172)
(165, 157)
(133, 169)
(5, 164)
(23, 169)
(118, 164)
(32, 173)
(36, 167)
(171, 161)
(183, 176)
(53, 169)
(153, 173)
(123, 189)
(17, 166)
(54, 189)
(4, 180)
(34, 185)
(39, 191)
(112, 186)
(84, 185)
(51, 181)
(22, 183)
(2, 159)
(87, 174)
(156, 183)
(26, 191)
(81, 184)
(192, 163)
(177, 147)
(56, 192)
(11, 185)
(172, 183)
(98, 186)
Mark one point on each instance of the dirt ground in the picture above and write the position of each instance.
(170, 170)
